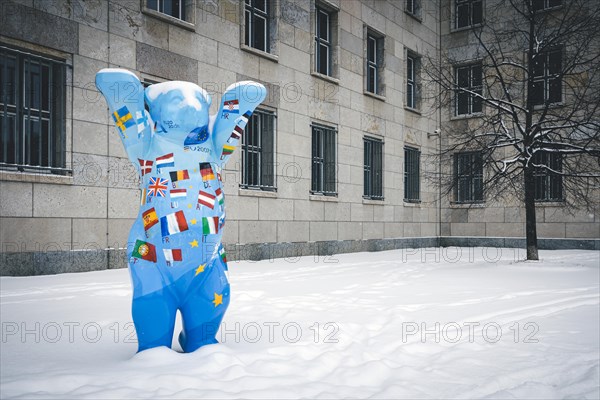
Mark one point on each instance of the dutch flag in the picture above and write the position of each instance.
(165, 161)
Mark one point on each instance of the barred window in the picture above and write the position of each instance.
(32, 112)
(548, 181)
(174, 8)
(373, 169)
(323, 42)
(468, 79)
(374, 64)
(258, 152)
(257, 24)
(547, 85)
(467, 13)
(324, 155)
(412, 84)
(468, 175)
(412, 171)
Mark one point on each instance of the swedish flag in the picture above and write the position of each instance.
(123, 119)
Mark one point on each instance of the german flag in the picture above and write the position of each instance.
(206, 172)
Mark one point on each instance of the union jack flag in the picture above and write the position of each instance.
(158, 187)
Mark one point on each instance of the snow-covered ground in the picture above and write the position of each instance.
(428, 323)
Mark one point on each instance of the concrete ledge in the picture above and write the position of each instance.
(56, 262)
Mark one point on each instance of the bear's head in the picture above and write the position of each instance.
(180, 111)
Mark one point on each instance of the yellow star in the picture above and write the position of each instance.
(189, 206)
(193, 221)
(218, 299)
(194, 243)
(195, 170)
(200, 269)
(191, 187)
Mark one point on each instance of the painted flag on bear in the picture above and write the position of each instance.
(206, 199)
(141, 120)
(230, 107)
(150, 218)
(172, 255)
(145, 166)
(210, 225)
(227, 150)
(223, 254)
(143, 196)
(173, 223)
(144, 250)
(157, 187)
(123, 119)
(165, 161)
(219, 195)
(206, 172)
(179, 175)
(178, 193)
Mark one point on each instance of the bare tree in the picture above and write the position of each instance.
(528, 83)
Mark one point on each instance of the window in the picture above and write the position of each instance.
(324, 180)
(413, 7)
(547, 85)
(174, 8)
(467, 13)
(468, 174)
(468, 80)
(373, 169)
(258, 152)
(548, 181)
(413, 63)
(374, 63)
(323, 42)
(412, 170)
(540, 5)
(257, 24)
(32, 112)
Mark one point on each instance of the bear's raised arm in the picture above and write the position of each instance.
(124, 95)
(237, 105)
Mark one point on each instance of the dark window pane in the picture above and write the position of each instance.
(410, 101)
(462, 100)
(555, 62)
(371, 44)
(555, 91)
(247, 28)
(260, 4)
(476, 75)
(462, 15)
(477, 11)
(477, 105)
(371, 79)
(554, 3)
(260, 34)
(463, 77)
(539, 64)
(323, 60)
(323, 25)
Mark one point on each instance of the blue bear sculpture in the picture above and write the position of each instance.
(176, 259)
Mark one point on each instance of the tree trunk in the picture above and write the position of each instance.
(530, 225)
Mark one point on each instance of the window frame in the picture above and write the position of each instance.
(376, 64)
(466, 89)
(255, 12)
(413, 81)
(51, 158)
(182, 9)
(373, 148)
(546, 179)
(471, 23)
(546, 79)
(415, 8)
(475, 196)
(318, 176)
(258, 149)
(412, 178)
(327, 43)
(546, 5)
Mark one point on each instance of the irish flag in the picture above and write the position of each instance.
(173, 223)
(172, 255)
(210, 225)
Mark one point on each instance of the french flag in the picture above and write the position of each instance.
(173, 223)
(165, 161)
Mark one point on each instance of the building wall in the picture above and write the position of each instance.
(94, 208)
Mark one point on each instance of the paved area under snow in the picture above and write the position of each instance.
(395, 324)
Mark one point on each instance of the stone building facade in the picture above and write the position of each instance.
(358, 97)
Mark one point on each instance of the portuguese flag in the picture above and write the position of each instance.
(144, 250)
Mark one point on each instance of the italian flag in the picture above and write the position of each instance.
(210, 225)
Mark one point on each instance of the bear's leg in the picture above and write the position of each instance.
(154, 318)
(204, 307)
